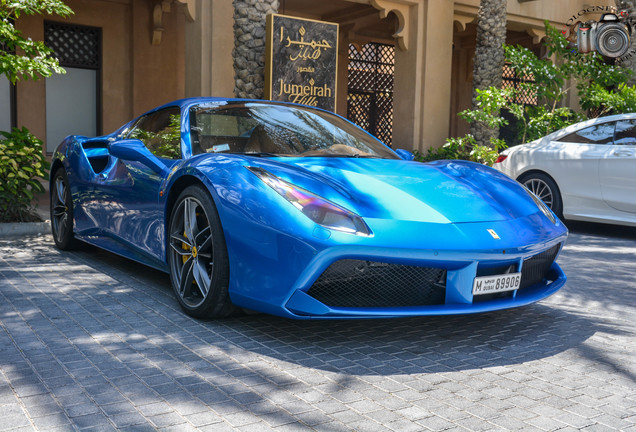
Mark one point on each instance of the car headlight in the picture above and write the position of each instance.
(320, 210)
(544, 208)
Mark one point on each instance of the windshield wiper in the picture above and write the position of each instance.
(334, 155)
(261, 154)
(358, 155)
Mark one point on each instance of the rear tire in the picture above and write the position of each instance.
(546, 189)
(62, 211)
(197, 256)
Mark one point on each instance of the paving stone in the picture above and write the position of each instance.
(203, 418)
(118, 408)
(81, 410)
(123, 420)
(52, 421)
(96, 421)
(166, 420)
(155, 408)
(14, 421)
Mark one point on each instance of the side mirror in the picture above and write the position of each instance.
(135, 150)
(405, 154)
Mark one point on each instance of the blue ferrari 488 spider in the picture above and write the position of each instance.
(294, 211)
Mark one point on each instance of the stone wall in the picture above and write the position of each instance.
(249, 45)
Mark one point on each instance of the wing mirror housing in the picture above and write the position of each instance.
(135, 150)
(405, 154)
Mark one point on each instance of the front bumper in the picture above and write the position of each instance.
(459, 269)
(274, 271)
(454, 296)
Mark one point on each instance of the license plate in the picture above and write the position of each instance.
(497, 283)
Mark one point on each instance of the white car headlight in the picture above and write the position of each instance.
(316, 208)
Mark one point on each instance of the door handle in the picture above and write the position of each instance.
(623, 153)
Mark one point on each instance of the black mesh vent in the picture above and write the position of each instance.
(485, 270)
(356, 283)
(370, 89)
(535, 269)
(74, 45)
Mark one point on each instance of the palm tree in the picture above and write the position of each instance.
(489, 58)
(249, 46)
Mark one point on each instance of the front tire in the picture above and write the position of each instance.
(546, 189)
(197, 255)
(62, 211)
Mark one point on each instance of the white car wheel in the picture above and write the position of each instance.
(546, 189)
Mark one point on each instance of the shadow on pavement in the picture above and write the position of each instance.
(391, 346)
(602, 230)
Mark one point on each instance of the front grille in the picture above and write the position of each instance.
(535, 269)
(356, 284)
(485, 270)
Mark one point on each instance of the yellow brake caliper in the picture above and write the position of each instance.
(185, 246)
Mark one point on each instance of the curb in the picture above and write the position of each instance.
(17, 229)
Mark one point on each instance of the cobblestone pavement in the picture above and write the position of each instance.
(90, 341)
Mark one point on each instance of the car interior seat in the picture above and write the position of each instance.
(261, 141)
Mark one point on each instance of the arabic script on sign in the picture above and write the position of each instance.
(306, 50)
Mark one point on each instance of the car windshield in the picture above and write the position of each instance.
(269, 129)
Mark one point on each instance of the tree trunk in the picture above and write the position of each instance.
(249, 46)
(629, 60)
(489, 59)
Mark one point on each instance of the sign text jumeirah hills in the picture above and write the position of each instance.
(302, 59)
(304, 94)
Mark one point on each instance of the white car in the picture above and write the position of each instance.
(586, 171)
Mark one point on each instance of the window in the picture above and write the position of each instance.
(273, 129)
(6, 104)
(598, 134)
(7, 99)
(225, 123)
(160, 132)
(625, 132)
(73, 99)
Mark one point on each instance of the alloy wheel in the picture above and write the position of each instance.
(542, 190)
(61, 216)
(191, 243)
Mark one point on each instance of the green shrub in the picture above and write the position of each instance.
(21, 163)
(463, 148)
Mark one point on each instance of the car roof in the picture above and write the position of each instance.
(187, 102)
(587, 123)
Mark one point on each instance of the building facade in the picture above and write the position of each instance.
(404, 66)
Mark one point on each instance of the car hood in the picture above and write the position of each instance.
(438, 192)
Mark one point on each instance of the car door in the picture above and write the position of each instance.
(133, 215)
(617, 171)
(577, 173)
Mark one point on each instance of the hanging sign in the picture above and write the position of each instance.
(301, 61)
